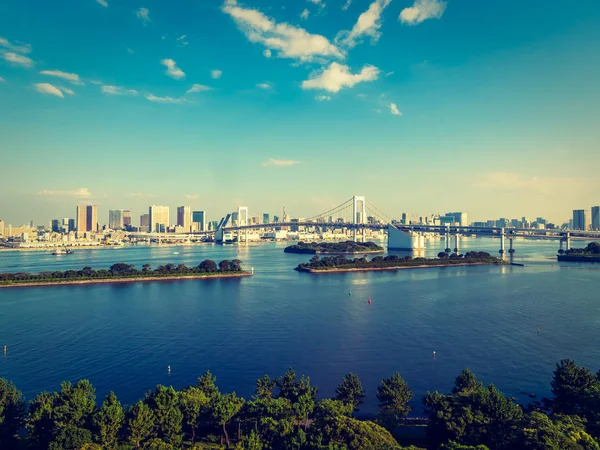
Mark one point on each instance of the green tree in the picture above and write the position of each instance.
(158, 444)
(539, 432)
(455, 446)
(71, 437)
(224, 408)
(40, 422)
(350, 391)
(352, 434)
(574, 388)
(12, 413)
(164, 401)
(394, 395)
(207, 384)
(253, 442)
(109, 421)
(193, 402)
(265, 386)
(303, 408)
(140, 424)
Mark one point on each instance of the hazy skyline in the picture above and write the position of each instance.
(421, 106)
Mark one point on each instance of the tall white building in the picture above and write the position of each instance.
(595, 218)
(580, 219)
(159, 218)
(460, 218)
(1, 228)
(184, 218)
(115, 219)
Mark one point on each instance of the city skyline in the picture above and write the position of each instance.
(423, 107)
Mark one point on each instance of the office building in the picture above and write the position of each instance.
(404, 219)
(595, 218)
(145, 223)
(81, 218)
(266, 218)
(126, 218)
(275, 219)
(580, 219)
(1, 228)
(460, 218)
(87, 218)
(159, 218)
(184, 218)
(71, 225)
(55, 226)
(115, 219)
(199, 220)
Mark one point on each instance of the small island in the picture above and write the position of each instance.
(591, 253)
(334, 248)
(330, 264)
(126, 273)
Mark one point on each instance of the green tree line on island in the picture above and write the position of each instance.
(333, 247)
(122, 270)
(284, 414)
(391, 261)
(591, 250)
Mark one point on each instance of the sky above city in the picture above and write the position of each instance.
(422, 106)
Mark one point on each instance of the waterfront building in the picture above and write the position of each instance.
(145, 223)
(81, 217)
(126, 218)
(71, 225)
(460, 218)
(1, 228)
(199, 220)
(159, 218)
(92, 218)
(184, 218)
(55, 225)
(115, 219)
(596, 218)
(266, 218)
(276, 219)
(580, 219)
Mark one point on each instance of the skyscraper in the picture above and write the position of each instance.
(596, 218)
(460, 218)
(184, 217)
(126, 218)
(92, 218)
(55, 225)
(145, 222)
(115, 219)
(266, 218)
(1, 228)
(199, 220)
(81, 219)
(159, 218)
(71, 225)
(580, 219)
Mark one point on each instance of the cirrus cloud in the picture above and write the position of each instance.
(103, 3)
(272, 162)
(117, 90)
(50, 89)
(19, 48)
(198, 88)
(337, 76)
(368, 24)
(72, 77)
(154, 98)
(19, 60)
(421, 11)
(77, 193)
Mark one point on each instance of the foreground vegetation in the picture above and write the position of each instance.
(346, 247)
(589, 253)
(285, 414)
(335, 263)
(124, 271)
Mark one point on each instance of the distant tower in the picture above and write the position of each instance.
(284, 215)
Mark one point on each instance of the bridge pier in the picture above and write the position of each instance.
(568, 241)
(456, 247)
(501, 241)
(447, 239)
(511, 250)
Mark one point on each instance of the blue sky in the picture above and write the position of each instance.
(423, 106)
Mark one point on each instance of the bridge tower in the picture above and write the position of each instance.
(242, 221)
(358, 216)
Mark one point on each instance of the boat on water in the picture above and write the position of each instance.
(61, 251)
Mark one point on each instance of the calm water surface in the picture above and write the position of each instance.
(123, 337)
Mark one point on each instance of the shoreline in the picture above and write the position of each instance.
(125, 280)
(377, 269)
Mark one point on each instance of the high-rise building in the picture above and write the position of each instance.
(55, 225)
(115, 219)
(596, 218)
(71, 225)
(580, 219)
(145, 222)
(275, 219)
(1, 228)
(126, 218)
(460, 218)
(159, 218)
(81, 218)
(184, 217)
(266, 218)
(92, 218)
(199, 220)
(404, 219)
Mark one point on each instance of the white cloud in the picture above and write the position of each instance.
(180, 38)
(347, 5)
(267, 53)
(322, 98)
(118, 90)
(368, 24)
(338, 76)
(216, 74)
(144, 15)
(198, 88)
(78, 193)
(279, 162)
(19, 48)
(289, 41)
(72, 77)
(192, 196)
(130, 51)
(50, 89)
(96, 82)
(394, 109)
(66, 90)
(154, 98)
(317, 2)
(103, 3)
(263, 86)
(422, 10)
(305, 14)
(2, 80)
(17, 59)
(172, 70)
